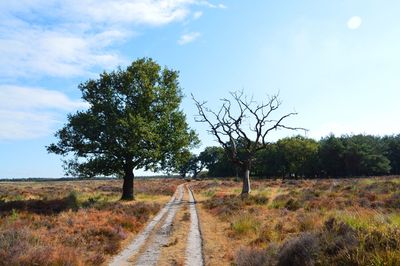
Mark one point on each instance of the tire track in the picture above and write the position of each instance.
(194, 248)
(161, 237)
(171, 207)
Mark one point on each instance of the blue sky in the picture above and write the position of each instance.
(336, 63)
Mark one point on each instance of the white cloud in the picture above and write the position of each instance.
(70, 38)
(354, 23)
(188, 38)
(197, 15)
(27, 113)
(16, 97)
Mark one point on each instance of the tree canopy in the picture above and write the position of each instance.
(133, 121)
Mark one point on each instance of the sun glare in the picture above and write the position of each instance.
(354, 23)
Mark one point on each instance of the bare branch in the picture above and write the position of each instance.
(228, 128)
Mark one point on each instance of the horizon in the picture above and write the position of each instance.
(335, 63)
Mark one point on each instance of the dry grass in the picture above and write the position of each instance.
(74, 222)
(286, 220)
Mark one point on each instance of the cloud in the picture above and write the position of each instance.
(208, 4)
(188, 38)
(354, 23)
(197, 15)
(27, 113)
(71, 38)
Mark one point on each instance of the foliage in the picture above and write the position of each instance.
(133, 121)
(300, 157)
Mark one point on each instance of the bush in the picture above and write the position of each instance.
(253, 257)
(393, 201)
(225, 205)
(245, 224)
(292, 205)
(256, 199)
(301, 251)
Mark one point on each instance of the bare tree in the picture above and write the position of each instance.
(229, 126)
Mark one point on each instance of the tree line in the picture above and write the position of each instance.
(301, 157)
(134, 121)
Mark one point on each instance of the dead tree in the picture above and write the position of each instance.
(229, 126)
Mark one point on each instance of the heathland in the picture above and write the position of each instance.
(282, 222)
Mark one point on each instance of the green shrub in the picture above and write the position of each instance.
(245, 224)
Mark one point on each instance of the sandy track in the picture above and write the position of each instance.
(147, 246)
(123, 257)
(194, 250)
(151, 255)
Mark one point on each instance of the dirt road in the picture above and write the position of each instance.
(147, 247)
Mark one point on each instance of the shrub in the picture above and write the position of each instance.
(245, 224)
(256, 199)
(253, 257)
(224, 206)
(292, 205)
(393, 201)
(265, 235)
(301, 250)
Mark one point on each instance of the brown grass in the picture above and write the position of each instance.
(75, 222)
(294, 222)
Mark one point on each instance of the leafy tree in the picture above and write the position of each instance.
(353, 156)
(299, 156)
(392, 151)
(133, 122)
(217, 162)
(189, 163)
(364, 155)
(331, 153)
(269, 162)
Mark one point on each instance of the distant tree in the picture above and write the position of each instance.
(353, 156)
(364, 155)
(299, 156)
(181, 163)
(217, 162)
(232, 125)
(188, 163)
(269, 162)
(392, 151)
(133, 122)
(331, 154)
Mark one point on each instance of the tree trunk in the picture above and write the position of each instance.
(246, 180)
(127, 187)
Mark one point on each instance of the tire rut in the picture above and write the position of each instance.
(146, 248)
(123, 258)
(151, 255)
(194, 248)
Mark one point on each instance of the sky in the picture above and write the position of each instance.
(335, 63)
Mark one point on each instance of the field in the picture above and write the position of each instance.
(74, 222)
(282, 222)
(305, 222)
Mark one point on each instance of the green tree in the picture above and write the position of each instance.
(364, 155)
(217, 162)
(269, 162)
(133, 121)
(299, 156)
(188, 163)
(392, 147)
(331, 154)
